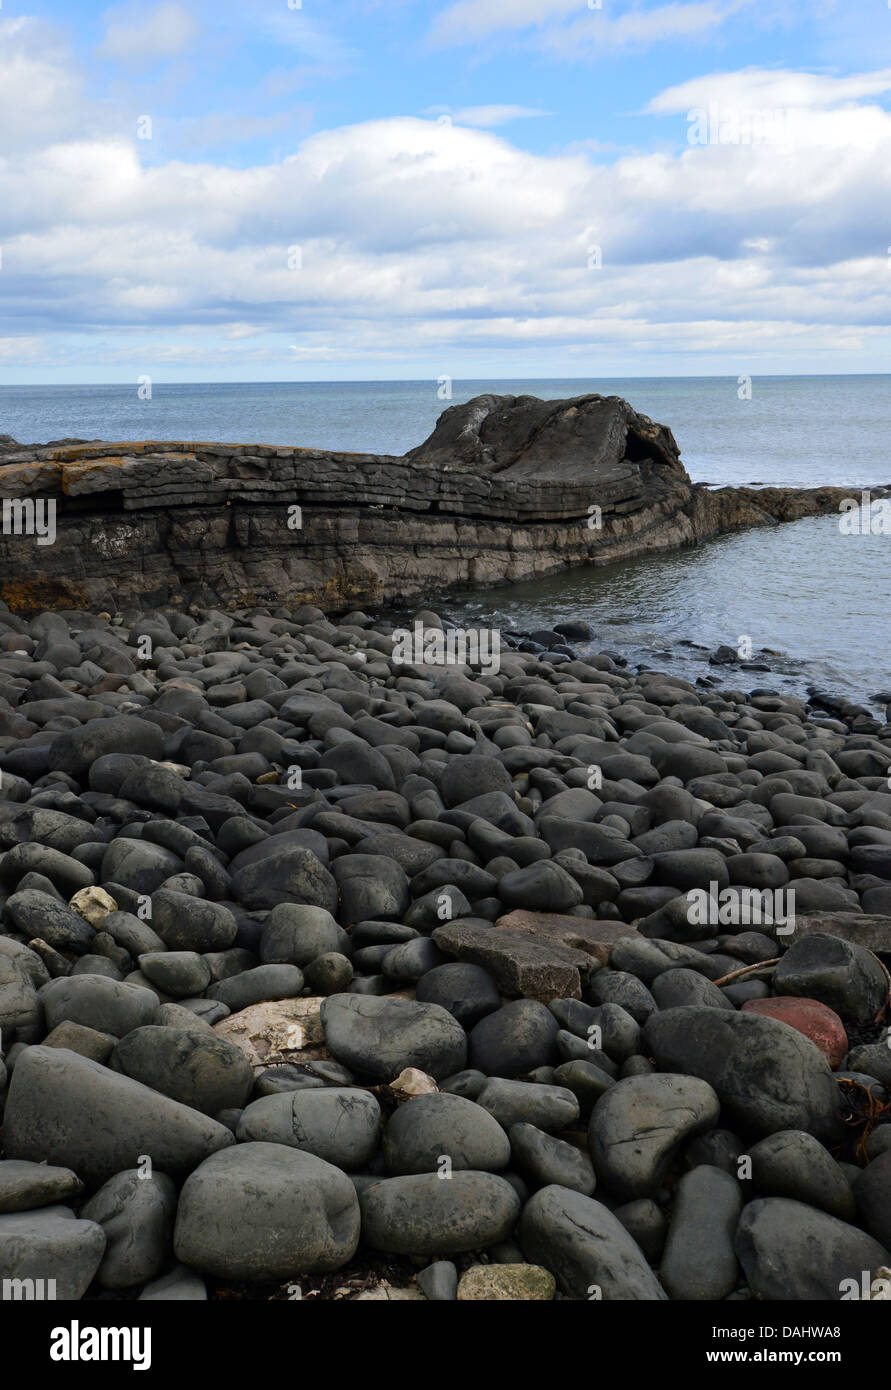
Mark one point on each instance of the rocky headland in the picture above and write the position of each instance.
(506, 488)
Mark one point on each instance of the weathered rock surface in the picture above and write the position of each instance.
(266, 1211)
(502, 488)
(77, 1114)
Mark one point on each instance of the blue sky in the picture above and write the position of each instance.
(370, 189)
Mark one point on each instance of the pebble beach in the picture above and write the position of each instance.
(326, 972)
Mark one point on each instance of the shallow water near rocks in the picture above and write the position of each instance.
(819, 600)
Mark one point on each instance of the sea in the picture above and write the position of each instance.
(814, 603)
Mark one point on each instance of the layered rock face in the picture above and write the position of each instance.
(506, 488)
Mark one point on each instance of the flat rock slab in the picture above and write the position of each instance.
(522, 965)
(586, 934)
(279, 1031)
(872, 932)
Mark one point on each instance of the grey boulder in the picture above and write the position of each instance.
(340, 1124)
(266, 1211)
(425, 1214)
(50, 1245)
(136, 1210)
(790, 1251)
(429, 1128)
(69, 1111)
(768, 1076)
(588, 1250)
(699, 1261)
(377, 1038)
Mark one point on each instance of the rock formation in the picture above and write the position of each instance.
(506, 488)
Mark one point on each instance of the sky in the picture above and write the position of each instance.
(296, 190)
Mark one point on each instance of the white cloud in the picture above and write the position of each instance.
(40, 94)
(468, 20)
(488, 117)
(421, 239)
(134, 34)
(573, 30)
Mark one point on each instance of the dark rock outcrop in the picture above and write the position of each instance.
(506, 488)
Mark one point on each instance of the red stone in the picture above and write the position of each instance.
(808, 1016)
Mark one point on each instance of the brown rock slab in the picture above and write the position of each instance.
(501, 490)
(522, 965)
(590, 935)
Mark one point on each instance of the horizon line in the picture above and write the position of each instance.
(426, 380)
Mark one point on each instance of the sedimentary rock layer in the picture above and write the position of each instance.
(506, 488)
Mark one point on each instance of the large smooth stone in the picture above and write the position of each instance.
(424, 1130)
(872, 1192)
(637, 1126)
(841, 975)
(515, 1039)
(815, 1020)
(94, 1001)
(586, 1248)
(50, 1245)
(191, 1065)
(75, 750)
(699, 1261)
(26, 1186)
(792, 1163)
(67, 1110)
(136, 1213)
(768, 1076)
(377, 1038)
(266, 1211)
(424, 1214)
(792, 1252)
(340, 1124)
